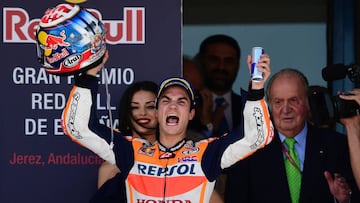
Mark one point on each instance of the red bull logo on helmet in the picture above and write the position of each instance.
(50, 42)
(70, 39)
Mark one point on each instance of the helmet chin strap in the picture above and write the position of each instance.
(108, 106)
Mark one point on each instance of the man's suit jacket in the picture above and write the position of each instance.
(262, 178)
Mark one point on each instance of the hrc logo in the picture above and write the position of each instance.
(187, 159)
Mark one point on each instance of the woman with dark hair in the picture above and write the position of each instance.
(130, 123)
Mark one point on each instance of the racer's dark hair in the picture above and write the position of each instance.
(125, 125)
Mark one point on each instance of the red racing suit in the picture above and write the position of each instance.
(152, 173)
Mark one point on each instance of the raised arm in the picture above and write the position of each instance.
(79, 112)
(258, 128)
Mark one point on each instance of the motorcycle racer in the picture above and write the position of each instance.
(173, 169)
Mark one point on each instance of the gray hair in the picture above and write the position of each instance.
(291, 72)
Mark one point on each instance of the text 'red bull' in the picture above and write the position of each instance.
(19, 28)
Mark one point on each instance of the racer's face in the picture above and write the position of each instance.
(220, 65)
(143, 117)
(174, 112)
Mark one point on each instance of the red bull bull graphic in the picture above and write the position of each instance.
(49, 42)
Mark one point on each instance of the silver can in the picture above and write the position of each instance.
(256, 53)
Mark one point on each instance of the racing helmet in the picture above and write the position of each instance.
(70, 40)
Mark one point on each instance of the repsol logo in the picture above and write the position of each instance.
(72, 60)
(181, 169)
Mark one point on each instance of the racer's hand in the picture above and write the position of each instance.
(263, 66)
(96, 69)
